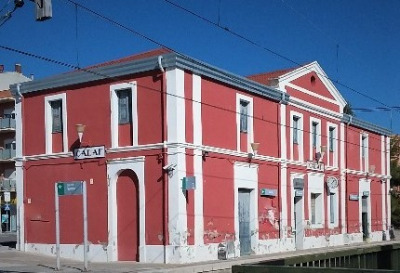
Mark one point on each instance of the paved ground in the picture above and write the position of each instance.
(12, 260)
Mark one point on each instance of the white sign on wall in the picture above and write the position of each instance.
(89, 152)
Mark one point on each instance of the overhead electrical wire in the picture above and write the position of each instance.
(244, 38)
(105, 76)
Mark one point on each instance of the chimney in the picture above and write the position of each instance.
(18, 68)
(1, 68)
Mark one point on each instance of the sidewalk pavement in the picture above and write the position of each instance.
(12, 260)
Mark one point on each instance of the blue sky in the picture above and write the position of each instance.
(355, 42)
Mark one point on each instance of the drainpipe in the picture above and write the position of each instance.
(163, 158)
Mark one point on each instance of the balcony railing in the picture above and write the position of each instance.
(6, 154)
(7, 123)
(7, 184)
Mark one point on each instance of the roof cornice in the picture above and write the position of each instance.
(169, 61)
(348, 119)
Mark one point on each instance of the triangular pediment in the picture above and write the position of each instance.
(310, 84)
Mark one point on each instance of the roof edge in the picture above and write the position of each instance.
(365, 125)
(169, 60)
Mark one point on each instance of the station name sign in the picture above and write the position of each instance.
(89, 152)
(315, 166)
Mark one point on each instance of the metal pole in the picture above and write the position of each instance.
(85, 231)
(57, 226)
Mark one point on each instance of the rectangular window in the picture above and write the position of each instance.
(363, 146)
(313, 212)
(296, 129)
(314, 132)
(56, 116)
(124, 106)
(332, 203)
(244, 110)
(316, 207)
(331, 138)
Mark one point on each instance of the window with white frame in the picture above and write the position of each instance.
(56, 120)
(244, 115)
(123, 110)
(244, 122)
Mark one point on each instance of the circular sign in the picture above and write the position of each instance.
(332, 182)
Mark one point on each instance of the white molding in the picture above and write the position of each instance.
(246, 177)
(114, 168)
(48, 122)
(114, 88)
(315, 109)
(313, 94)
(250, 115)
(198, 161)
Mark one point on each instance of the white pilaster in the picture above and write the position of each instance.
(343, 182)
(283, 187)
(198, 162)
(19, 163)
(389, 218)
(177, 217)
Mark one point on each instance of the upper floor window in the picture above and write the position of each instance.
(364, 146)
(296, 121)
(314, 132)
(56, 116)
(56, 123)
(331, 139)
(124, 111)
(244, 113)
(124, 106)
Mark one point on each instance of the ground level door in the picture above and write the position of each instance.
(244, 222)
(364, 217)
(298, 221)
(128, 216)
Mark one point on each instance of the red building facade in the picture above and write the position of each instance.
(195, 159)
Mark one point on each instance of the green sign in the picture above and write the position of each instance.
(69, 188)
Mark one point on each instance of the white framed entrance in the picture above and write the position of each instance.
(114, 168)
(297, 208)
(246, 180)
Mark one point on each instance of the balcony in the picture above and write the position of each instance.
(8, 184)
(7, 154)
(7, 124)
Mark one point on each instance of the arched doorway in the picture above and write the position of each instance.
(128, 216)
